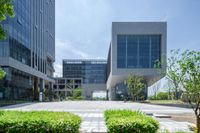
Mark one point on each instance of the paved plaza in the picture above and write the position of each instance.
(91, 112)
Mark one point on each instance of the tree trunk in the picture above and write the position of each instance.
(133, 98)
(176, 94)
(198, 124)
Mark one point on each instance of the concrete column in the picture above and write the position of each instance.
(41, 95)
(107, 97)
(111, 94)
(35, 88)
(51, 85)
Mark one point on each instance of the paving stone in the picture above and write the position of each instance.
(91, 112)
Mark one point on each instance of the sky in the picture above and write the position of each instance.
(83, 27)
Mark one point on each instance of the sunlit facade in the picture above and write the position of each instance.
(28, 53)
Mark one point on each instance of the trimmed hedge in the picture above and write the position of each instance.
(127, 121)
(39, 122)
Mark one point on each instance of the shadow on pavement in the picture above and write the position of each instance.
(172, 105)
(18, 105)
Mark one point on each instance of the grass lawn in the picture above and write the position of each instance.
(167, 101)
(174, 103)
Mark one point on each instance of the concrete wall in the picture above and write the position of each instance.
(88, 89)
(136, 28)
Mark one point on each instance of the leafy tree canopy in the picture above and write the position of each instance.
(190, 80)
(135, 85)
(6, 9)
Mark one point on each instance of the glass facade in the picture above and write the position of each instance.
(30, 41)
(91, 71)
(31, 34)
(138, 51)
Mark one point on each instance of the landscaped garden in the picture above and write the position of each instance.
(39, 122)
(127, 121)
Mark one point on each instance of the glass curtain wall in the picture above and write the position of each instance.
(138, 51)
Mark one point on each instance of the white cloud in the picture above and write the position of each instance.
(58, 70)
(66, 49)
(83, 27)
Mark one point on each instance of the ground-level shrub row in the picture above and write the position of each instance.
(39, 122)
(127, 121)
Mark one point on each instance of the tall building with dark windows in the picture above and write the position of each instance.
(28, 53)
(91, 72)
(134, 49)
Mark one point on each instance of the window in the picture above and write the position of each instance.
(144, 47)
(121, 51)
(132, 51)
(138, 51)
(155, 49)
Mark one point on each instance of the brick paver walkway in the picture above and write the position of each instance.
(92, 122)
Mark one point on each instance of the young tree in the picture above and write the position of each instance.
(77, 92)
(135, 85)
(2, 73)
(6, 8)
(155, 88)
(173, 73)
(169, 88)
(190, 80)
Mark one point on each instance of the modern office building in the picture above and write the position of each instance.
(91, 71)
(134, 49)
(28, 53)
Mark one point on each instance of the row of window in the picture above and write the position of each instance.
(138, 51)
(19, 52)
(32, 29)
(91, 73)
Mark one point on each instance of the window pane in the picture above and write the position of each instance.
(132, 52)
(121, 51)
(144, 48)
(138, 51)
(155, 49)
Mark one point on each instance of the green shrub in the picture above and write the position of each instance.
(160, 96)
(127, 121)
(75, 98)
(39, 122)
(79, 98)
(77, 93)
(99, 99)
